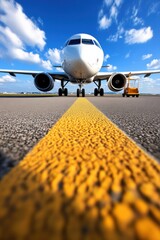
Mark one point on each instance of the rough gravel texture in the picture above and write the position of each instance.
(138, 117)
(24, 121)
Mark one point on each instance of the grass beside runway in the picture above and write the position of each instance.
(84, 180)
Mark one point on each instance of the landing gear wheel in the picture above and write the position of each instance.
(60, 92)
(65, 92)
(78, 92)
(83, 92)
(101, 92)
(123, 95)
(95, 91)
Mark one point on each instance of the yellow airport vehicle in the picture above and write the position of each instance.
(131, 89)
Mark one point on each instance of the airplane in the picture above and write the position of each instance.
(82, 59)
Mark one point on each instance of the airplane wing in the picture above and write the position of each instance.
(63, 76)
(106, 75)
(56, 75)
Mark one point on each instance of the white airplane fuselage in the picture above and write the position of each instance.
(82, 58)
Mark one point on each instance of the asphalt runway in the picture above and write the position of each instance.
(80, 178)
(24, 121)
(138, 117)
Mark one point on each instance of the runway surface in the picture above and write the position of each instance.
(84, 180)
(138, 117)
(23, 121)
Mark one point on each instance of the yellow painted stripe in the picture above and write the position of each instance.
(84, 180)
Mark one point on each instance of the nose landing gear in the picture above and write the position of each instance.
(80, 90)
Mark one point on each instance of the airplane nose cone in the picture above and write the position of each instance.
(78, 63)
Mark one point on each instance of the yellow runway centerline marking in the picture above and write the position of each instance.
(84, 180)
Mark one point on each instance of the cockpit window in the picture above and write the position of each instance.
(97, 44)
(66, 44)
(87, 41)
(74, 41)
(83, 40)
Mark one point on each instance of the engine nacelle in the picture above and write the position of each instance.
(44, 82)
(116, 82)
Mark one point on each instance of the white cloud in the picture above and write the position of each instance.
(46, 64)
(154, 8)
(138, 21)
(118, 2)
(148, 80)
(7, 78)
(30, 57)
(113, 38)
(104, 22)
(149, 85)
(24, 56)
(108, 2)
(54, 55)
(154, 64)
(135, 18)
(114, 12)
(127, 55)
(138, 36)
(16, 20)
(17, 32)
(111, 67)
(146, 56)
(8, 37)
(118, 35)
(106, 57)
(15, 49)
(100, 14)
(59, 69)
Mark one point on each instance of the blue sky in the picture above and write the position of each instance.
(32, 34)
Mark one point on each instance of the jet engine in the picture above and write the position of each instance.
(44, 82)
(116, 82)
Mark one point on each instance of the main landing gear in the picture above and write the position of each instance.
(63, 90)
(98, 90)
(80, 90)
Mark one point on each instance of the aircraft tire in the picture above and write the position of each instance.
(96, 92)
(83, 92)
(101, 92)
(60, 92)
(78, 92)
(65, 92)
